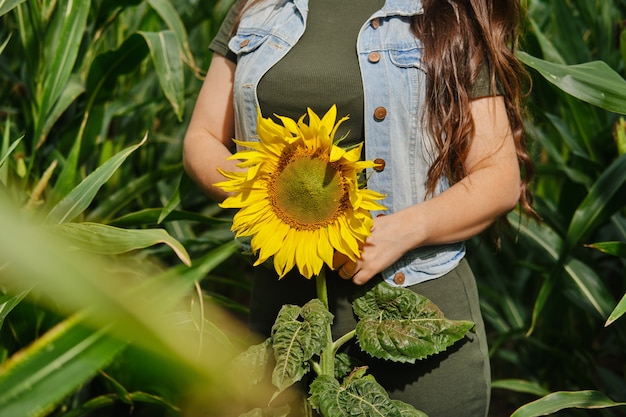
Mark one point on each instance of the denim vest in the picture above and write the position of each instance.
(394, 90)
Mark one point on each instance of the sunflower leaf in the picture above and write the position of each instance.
(298, 334)
(253, 363)
(361, 393)
(399, 325)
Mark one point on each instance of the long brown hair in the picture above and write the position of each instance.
(460, 37)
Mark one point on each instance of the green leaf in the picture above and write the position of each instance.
(166, 57)
(362, 393)
(252, 364)
(5, 43)
(606, 196)
(557, 401)
(584, 279)
(108, 66)
(95, 404)
(173, 201)
(407, 410)
(617, 312)
(74, 88)
(520, 385)
(172, 19)
(109, 240)
(400, 325)
(80, 197)
(169, 287)
(10, 149)
(547, 47)
(282, 411)
(134, 187)
(297, 335)
(612, 248)
(155, 216)
(592, 82)
(34, 381)
(8, 302)
(594, 295)
(72, 16)
(8, 5)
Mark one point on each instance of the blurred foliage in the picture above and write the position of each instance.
(112, 263)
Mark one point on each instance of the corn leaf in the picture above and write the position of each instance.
(592, 82)
(587, 283)
(166, 57)
(72, 18)
(7, 5)
(80, 197)
(617, 312)
(109, 240)
(52, 367)
(612, 248)
(8, 302)
(119, 199)
(520, 385)
(562, 400)
(607, 195)
(172, 19)
(70, 93)
(400, 325)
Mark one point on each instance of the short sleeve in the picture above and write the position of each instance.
(220, 42)
(482, 86)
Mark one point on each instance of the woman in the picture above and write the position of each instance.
(432, 87)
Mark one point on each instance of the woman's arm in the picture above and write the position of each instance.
(208, 141)
(491, 188)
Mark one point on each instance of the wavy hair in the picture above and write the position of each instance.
(478, 33)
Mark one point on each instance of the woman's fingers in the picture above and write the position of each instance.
(344, 266)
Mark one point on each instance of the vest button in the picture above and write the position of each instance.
(380, 113)
(375, 22)
(380, 164)
(244, 43)
(373, 57)
(399, 278)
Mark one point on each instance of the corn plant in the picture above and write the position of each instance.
(95, 97)
(549, 294)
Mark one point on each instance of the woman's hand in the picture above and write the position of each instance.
(383, 247)
(491, 189)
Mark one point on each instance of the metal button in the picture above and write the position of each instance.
(399, 278)
(380, 164)
(375, 23)
(373, 57)
(244, 43)
(380, 113)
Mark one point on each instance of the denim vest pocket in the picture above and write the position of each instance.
(244, 43)
(407, 58)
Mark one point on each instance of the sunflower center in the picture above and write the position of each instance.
(308, 192)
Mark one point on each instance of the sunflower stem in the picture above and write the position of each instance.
(320, 286)
(343, 340)
(327, 360)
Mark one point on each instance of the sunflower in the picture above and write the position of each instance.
(298, 194)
